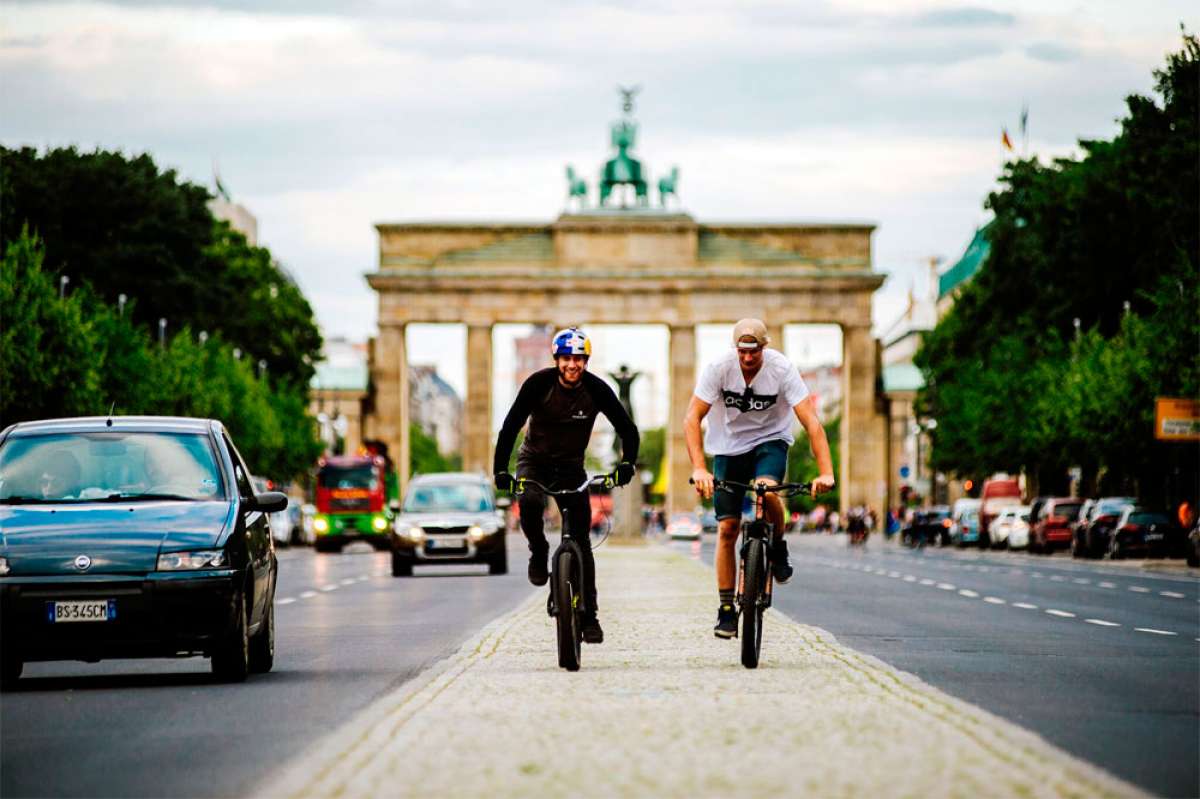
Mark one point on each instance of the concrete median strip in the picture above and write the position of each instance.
(663, 708)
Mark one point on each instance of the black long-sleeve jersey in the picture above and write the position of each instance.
(561, 420)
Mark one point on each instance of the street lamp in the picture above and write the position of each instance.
(62, 286)
(203, 337)
(162, 332)
(237, 353)
(262, 367)
(121, 300)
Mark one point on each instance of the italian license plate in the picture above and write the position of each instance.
(81, 610)
(1154, 536)
(445, 543)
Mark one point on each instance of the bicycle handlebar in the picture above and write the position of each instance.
(760, 488)
(606, 480)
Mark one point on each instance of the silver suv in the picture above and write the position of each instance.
(450, 517)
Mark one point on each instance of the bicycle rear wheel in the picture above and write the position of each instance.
(754, 584)
(566, 598)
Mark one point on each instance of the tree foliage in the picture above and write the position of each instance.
(120, 226)
(802, 467)
(77, 356)
(1110, 240)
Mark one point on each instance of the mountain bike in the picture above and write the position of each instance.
(568, 601)
(754, 574)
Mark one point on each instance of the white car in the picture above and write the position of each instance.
(685, 525)
(1011, 527)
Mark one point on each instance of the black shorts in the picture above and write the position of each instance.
(768, 459)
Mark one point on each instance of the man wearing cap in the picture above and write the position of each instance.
(754, 391)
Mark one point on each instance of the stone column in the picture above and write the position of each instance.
(775, 334)
(863, 435)
(477, 410)
(391, 397)
(682, 365)
(899, 416)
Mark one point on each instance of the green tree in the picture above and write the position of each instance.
(1109, 240)
(802, 468)
(424, 457)
(48, 365)
(119, 225)
(650, 451)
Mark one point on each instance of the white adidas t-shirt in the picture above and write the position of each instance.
(742, 417)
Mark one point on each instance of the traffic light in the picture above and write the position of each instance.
(968, 485)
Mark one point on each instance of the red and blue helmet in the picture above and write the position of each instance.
(571, 341)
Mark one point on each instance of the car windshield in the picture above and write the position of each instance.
(1112, 506)
(1148, 518)
(87, 467)
(1069, 510)
(447, 497)
(348, 477)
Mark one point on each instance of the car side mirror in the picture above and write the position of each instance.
(504, 503)
(267, 502)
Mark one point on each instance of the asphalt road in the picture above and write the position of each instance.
(347, 632)
(1102, 660)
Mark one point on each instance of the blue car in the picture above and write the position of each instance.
(133, 537)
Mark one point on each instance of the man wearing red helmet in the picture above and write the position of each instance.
(561, 404)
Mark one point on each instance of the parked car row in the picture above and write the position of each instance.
(1107, 527)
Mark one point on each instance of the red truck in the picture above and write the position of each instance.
(352, 502)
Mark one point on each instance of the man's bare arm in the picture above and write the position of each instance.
(703, 479)
(819, 444)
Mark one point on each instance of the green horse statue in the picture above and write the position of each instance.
(668, 187)
(576, 187)
(623, 170)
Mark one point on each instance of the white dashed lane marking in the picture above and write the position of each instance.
(308, 595)
(968, 593)
(908, 578)
(1024, 606)
(1172, 594)
(287, 600)
(995, 600)
(1153, 631)
(927, 581)
(1082, 581)
(348, 581)
(946, 586)
(1139, 589)
(1107, 584)
(1057, 578)
(1064, 614)
(329, 588)
(1102, 622)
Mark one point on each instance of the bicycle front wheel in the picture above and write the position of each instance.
(753, 587)
(567, 598)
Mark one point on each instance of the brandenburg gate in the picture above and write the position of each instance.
(628, 265)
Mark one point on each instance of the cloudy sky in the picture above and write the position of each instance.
(328, 117)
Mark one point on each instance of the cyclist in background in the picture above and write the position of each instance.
(755, 392)
(561, 404)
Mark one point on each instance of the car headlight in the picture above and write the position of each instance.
(475, 532)
(415, 533)
(379, 523)
(4, 566)
(321, 524)
(188, 561)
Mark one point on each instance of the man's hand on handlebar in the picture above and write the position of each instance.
(822, 483)
(505, 482)
(624, 473)
(703, 480)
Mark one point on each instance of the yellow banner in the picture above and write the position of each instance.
(1177, 419)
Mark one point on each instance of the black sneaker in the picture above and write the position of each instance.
(591, 630)
(538, 573)
(726, 622)
(781, 567)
